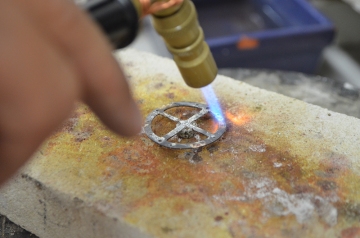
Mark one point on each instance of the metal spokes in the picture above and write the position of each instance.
(181, 125)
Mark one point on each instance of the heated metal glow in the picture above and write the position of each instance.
(239, 119)
(213, 103)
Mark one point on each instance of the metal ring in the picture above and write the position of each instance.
(151, 7)
(182, 124)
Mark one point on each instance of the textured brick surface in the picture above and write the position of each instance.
(284, 168)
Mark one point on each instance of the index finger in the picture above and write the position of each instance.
(105, 87)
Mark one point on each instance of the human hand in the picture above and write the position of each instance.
(51, 55)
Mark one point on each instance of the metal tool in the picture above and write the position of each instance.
(175, 20)
(184, 129)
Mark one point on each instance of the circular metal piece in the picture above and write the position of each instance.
(184, 128)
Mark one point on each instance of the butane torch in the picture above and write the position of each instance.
(175, 20)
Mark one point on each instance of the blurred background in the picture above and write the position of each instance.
(318, 37)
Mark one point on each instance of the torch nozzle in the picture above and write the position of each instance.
(176, 21)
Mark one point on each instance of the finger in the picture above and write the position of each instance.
(107, 91)
(37, 89)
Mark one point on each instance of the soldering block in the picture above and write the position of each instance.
(283, 168)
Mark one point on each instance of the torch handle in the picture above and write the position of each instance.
(118, 19)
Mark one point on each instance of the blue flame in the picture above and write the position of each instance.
(213, 103)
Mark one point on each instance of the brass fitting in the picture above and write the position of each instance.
(176, 21)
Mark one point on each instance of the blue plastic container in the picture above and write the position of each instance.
(272, 34)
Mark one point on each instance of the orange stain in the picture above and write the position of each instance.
(247, 43)
(351, 232)
(214, 127)
(239, 119)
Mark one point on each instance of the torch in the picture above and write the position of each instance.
(175, 20)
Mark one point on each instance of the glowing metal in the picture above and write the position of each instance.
(213, 103)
